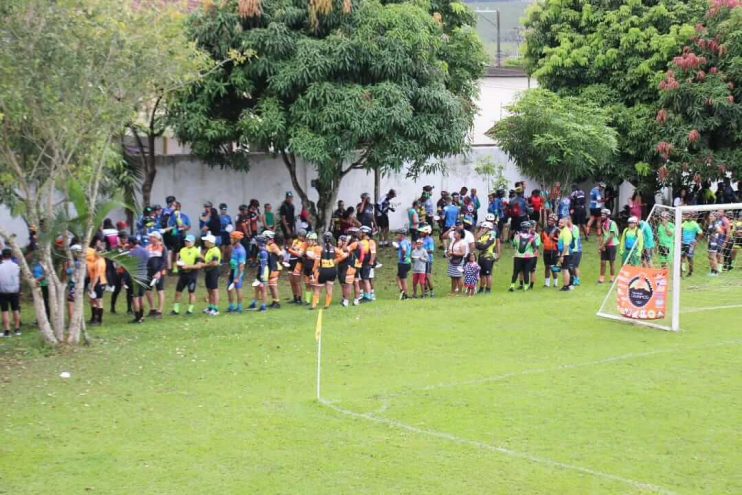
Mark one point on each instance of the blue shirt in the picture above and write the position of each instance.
(179, 219)
(648, 235)
(239, 257)
(451, 215)
(429, 245)
(564, 206)
(596, 198)
(404, 251)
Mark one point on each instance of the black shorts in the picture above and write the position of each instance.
(595, 212)
(566, 263)
(292, 264)
(342, 273)
(99, 290)
(365, 272)
(688, 250)
(307, 268)
(160, 285)
(485, 265)
(531, 264)
(403, 269)
(327, 275)
(10, 300)
(575, 258)
(579, 217)
(187, 280)
(211, 279)
(608, 253)
(382, 221)
(170, 243)
(551, 257)
(139, 289)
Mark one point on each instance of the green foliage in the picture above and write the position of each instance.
(377, 87)
(554, 138)
(701, 118)
(615, 54)
(493, 173)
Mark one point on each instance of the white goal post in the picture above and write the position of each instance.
(676, 266)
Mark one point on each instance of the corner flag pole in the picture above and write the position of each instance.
(318, 337)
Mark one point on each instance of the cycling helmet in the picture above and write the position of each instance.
(489, 217)
(269, 234)
(312, 236)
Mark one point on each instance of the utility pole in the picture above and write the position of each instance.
(498, 53)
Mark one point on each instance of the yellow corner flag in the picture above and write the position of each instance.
(318, 329)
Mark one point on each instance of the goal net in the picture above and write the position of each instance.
(680, 260)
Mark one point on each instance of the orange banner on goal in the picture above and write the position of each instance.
(642, 292)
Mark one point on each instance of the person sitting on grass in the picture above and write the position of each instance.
(188, 262)
(420, 258)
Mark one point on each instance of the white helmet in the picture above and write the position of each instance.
(487, 225)
(269, 234)
(633, 220)
(489, 217)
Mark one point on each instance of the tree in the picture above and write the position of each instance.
(701, 115)
(341, 85)
(73, 73)
(551, 138)
(614, 54)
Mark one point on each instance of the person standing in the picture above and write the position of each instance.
(632, 243)
(649, 244)
(578, 212)
(563, 245)
(382, 217)
(287, 214)
(96, 280)
(276, 256)
(178, 226)
(236, 272)
(261, 276)
(550, 243)
(690, 231)
(575, 253)
(157, 266)
(471, 274)
(365, 212)
(188, 261)
(212, 259)
(608, 240)
(488, 245)
(210, 222)
(419, 257)
(227, 227)
(476, 203)
(10, 290)
(39, 275)
(268, 219)
(597, 203)
(427, 200)
(665, 239)
(404, 264)
(325, 270)
(429, 245)
(137, 279)
(456, 253)
(413, 220)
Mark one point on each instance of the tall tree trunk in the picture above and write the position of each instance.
(328, 193)
(150, 171)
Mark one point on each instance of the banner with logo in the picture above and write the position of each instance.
(642, 292)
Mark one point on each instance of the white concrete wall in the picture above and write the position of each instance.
(193, 182)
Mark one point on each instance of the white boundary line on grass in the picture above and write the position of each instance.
(536, 371)
(509, 452)
(712, 308)
(495, 448)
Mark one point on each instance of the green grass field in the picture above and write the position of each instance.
(511, 393)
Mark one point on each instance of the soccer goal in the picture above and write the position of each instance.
(684, 261)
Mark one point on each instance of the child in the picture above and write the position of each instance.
(690, 230)
(420, 260)
(269, 218)
(471, 274)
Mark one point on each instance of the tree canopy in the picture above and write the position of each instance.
(73, 74)
(615, 54)
(341, 85)
(551, 138)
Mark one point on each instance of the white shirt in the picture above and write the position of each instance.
(10, 277)
(468, 240)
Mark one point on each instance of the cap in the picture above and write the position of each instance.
(601, 183)
(222, 206)
(190, 238)
(208, 204)
(289, 194)
(519, 189)
(428, 188)
(156, 235)
(147, 210)
(209, 238)
(633, 219)
(236, 234)
(419, 241)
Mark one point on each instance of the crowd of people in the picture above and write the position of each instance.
(250, 253)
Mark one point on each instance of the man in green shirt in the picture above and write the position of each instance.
(665, 238)
(608, 242)
(188, 263)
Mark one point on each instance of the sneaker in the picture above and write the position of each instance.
(152, 312)
(356, 302)
(565, 288)
(263, 308)
(577, 281)
(208, 310)
(378, 265)
(189, 313)
(275, 304)
(174, 313)
(214, 312)
(137, 321)
(158, 315)
(511, 289)
(401, 295)
(404, 297)
(344, 303)
(5, 334)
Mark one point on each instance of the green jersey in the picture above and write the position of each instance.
(665, 234)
